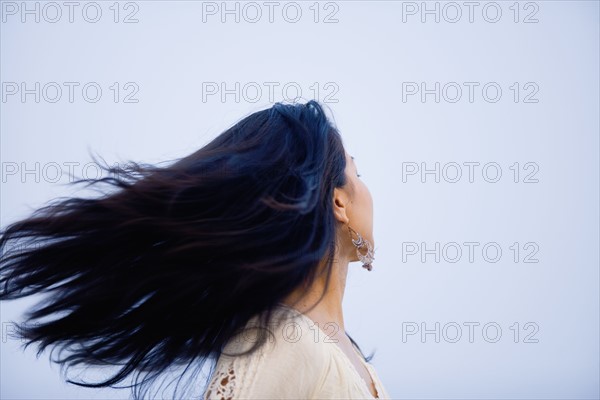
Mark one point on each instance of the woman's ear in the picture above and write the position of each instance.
(340, 209)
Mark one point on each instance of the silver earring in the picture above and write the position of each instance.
(366, 259)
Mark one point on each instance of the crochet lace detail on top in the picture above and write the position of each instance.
(222, 386)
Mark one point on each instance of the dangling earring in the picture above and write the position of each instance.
(359, 243)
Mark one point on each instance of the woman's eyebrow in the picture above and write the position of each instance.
(354, 162)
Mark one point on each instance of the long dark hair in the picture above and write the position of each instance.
(166, 269)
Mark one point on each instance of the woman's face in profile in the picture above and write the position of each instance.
(360, 209)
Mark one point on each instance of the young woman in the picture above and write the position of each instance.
(236, 254)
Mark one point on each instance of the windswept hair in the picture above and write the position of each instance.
(164, 270)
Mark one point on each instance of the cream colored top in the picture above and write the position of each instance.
(300, 361)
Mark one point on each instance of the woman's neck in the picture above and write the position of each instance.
(329, 309)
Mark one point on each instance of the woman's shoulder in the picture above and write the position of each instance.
(289, 334)
(291, 363)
